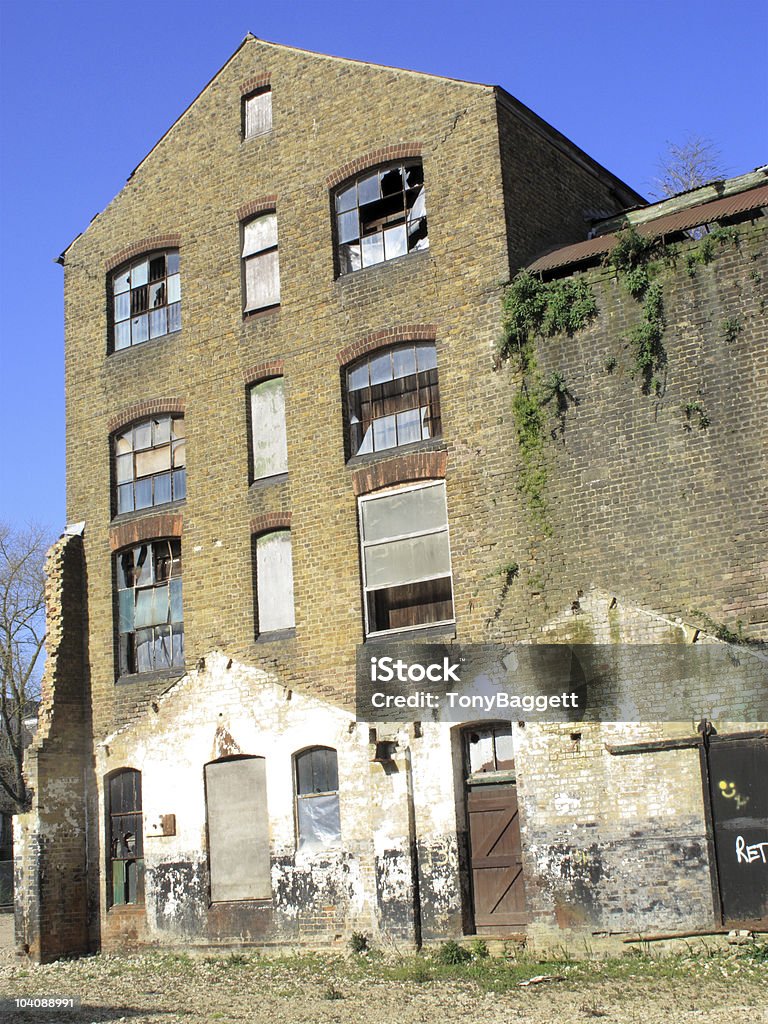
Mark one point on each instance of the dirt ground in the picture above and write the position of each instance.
(705, 986)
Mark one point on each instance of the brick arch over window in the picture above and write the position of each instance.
(264, 204)
(385, 338)
(402, 151)
(142, 245)
(270, 521)
(401, 470)
(151, 527)
(142, 410)
(263, 371)
(256, 82)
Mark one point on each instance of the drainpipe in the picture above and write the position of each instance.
(414, 848)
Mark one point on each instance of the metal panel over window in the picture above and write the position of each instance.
(380, 216)
(317, 797)
(150, 463)
(406, 559)
(238, 829)
(126, 837)
(274, 581)
(393, 398)
(150, 615)
(257, 113)
(268, 437)
(146, 299)
(260, 263)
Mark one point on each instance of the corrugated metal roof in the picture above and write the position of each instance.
(664, 224)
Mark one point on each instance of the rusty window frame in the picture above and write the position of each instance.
(125, 837)
(380, 215)
(382, 392)
(150, 619)
(131, 449)
(145, 299)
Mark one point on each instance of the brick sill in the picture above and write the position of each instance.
(432, 444)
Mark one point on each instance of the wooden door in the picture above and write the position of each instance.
(495, 854)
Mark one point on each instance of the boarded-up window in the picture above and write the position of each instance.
(317, 797)
(269, 444)
(274, 581)
(257, 113)
(260, 265)
(238, 829)
(126, 837)
(406, 559)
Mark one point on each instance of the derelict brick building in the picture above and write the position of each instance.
(287, 435)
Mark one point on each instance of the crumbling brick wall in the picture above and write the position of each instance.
(52, 886)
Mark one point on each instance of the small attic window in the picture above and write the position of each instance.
(257, 113)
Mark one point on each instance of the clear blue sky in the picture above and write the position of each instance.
(88, 87)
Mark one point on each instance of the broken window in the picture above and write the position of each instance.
(274, 582)
(146, 299)
(393, 398)
(257, 113)
(126, 837)
(261, 273)
(380, 216)
(269, 446)
(406, 559)
(238, 829)
(317, 797)
(489, 748)
(150, 461)
(150, 616)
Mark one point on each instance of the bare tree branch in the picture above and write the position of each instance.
(689, 164)
(22, 636)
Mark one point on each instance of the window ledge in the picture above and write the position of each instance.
(142, 513)
(276, 636)
(356, 275)
(268, 481)
(257, 314)
(442, 631)
(150, 343)
(119, 909)
(162, 675)
(431, 444)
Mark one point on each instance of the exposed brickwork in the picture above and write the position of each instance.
(388, 336)
(255, 82)
(169, 241)
(399, 470)
(271, 521)
(166, 524)
(141, 410)
(54, 909)
(273, 368)
(378, 156)
(264, 204)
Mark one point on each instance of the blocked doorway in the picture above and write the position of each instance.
(495, 855)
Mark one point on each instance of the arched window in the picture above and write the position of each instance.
(317, 797)
(150, 463)
(126, 837)
(150, 615)
(392, 398)
(381, 215)
(146, 299)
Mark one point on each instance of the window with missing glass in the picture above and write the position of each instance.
(381, 215)
(126, 837)
(261, 271)
(257, 113)
(150, 463)
(392, 398)
(150, 615)
(146, 299)
(406, 559)
(317, 797)
(488, 748)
